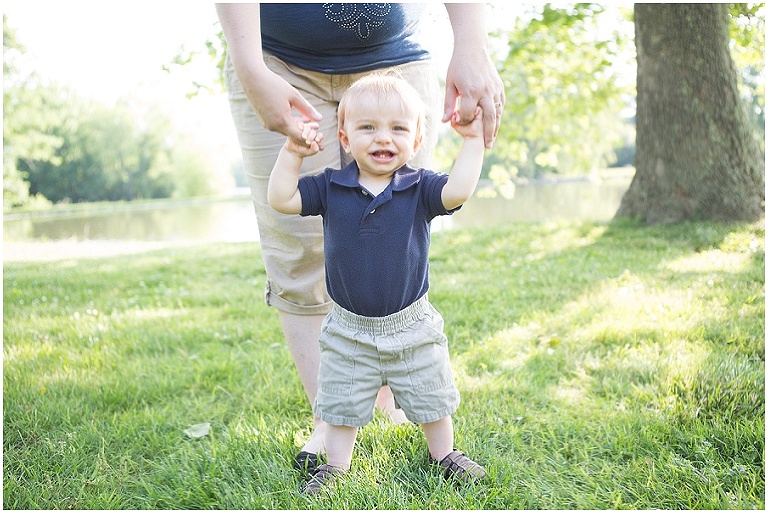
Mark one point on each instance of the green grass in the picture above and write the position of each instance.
(602, 366)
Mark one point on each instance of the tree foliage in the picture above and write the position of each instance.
(214, 50)
(59, 147)
(104, 155)
(568, 70)
(27, 123)
(747, 32)
(567, 84)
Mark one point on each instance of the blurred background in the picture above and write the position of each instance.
(117, 133)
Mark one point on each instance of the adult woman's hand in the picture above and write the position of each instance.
(271, 97)
(274, 100)
(472, 79)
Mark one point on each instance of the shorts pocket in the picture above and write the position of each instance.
(426, 356)
(337, 362)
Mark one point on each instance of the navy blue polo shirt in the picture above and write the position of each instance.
(376, 247)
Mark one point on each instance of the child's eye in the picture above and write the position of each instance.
(366, 127)
(400, 128)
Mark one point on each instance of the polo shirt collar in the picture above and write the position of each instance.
(404, 177)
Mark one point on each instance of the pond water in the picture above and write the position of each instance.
(233, 220)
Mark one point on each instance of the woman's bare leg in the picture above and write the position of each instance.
(301, 335)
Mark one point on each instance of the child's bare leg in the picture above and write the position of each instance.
(439, 435)
(385, 402)
(454, 463)
(339, 444)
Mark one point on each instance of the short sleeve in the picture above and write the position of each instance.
(432, 194)
(313, 193)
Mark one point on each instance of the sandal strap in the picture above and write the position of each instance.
(456, 464)
(323, 476)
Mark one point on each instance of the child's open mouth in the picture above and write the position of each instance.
(383, 155)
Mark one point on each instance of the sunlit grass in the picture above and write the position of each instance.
(601, 366)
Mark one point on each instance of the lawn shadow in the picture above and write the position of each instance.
(554, 329)
(610, 330)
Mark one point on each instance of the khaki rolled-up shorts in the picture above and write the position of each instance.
(291, 245)
(406, 350)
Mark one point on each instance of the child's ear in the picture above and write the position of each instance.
(344, 140)
(417, 143)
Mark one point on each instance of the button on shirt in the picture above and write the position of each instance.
(376, 247)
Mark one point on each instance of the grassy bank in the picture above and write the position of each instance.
(601, 366)
(64, 210)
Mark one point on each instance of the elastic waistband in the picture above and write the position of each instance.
(383, 325)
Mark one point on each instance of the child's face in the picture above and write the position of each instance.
(381, 134)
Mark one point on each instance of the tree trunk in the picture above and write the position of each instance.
(697, 157)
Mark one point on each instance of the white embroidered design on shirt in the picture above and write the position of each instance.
(361, 18)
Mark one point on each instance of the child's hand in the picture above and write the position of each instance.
(470, 130)
(312, 140)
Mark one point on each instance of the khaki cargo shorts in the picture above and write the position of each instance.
(406, 350)
(292, 246)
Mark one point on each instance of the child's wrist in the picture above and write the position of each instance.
(474, 137)
(289, 148)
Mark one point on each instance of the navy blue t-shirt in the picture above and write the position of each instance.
(342, 38)
(376, 247)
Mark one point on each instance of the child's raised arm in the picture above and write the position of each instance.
(469, 162)
(283, 190)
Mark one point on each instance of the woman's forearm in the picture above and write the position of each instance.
(241, 24)
(468, 25)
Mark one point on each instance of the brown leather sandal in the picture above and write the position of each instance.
(322, 478)
(456, 465)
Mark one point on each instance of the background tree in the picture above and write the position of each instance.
(26, 124)
(697, 156)
(59, 147)
(747, 32)
(567, 89)
(569, 105)
(106, 154)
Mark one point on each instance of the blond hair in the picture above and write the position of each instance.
(384, 85)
